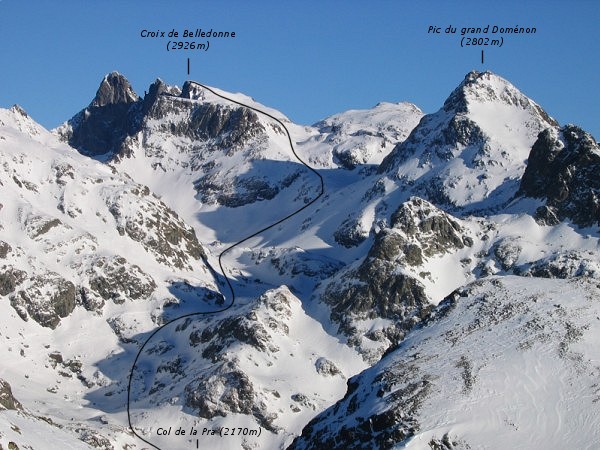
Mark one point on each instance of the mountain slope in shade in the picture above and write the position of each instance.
(264, 364)
(100, 128)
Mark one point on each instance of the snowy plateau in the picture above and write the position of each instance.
(442, 293)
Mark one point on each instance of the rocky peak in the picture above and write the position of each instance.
(457, 101)
(16, 117)
(422, 226)
(18, 109)
(151, 101)
(487, 87)
(192, 91)
(179, 128)
(475, 145)
(114, 89)
(563, 169)
(113, 114)
(484, 85)
(117, 113)
(156, 89)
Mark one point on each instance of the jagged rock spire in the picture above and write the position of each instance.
(114, 89)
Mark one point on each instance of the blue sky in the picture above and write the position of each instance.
(308, 59)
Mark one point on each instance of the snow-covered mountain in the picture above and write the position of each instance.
(362, 137)
(505, 362)
(422, 301)
(88, 259)
(470, 154)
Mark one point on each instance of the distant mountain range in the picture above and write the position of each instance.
(441, 294)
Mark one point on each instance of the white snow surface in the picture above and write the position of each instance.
(496, 125)
(513, 363)
(522, 394)
(531, 380)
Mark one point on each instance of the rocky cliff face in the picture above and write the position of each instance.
(7, 400)
(117, 113)
(114, 90)
(100, 129)
(221, 146)
(563, 171)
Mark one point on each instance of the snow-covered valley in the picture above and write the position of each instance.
(442, 292)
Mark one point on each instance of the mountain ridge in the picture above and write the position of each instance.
(404, 253)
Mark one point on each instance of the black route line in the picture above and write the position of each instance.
(322, 191)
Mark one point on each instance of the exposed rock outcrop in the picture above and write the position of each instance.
(564, 170)
(7, 399)
(45, 298)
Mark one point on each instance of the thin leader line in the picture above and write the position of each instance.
(321, 192)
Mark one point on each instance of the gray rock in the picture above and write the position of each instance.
(117, 280)
(5, 249)
(7, 399)
(7, 283)
(248, 329)
(46, 299)
(239, 192)
(228, 331)
(383, 430)
(89, 300)
(507, 252)
(227, 127)
(326, 367)
(376, 289)
(156, 227)
(296, 262)
(436, 231)
(350, 233)
(95, 439)
(37, 226)
(114, 89)
(569, 157)
(101, 128)
(227, 390)
(562, 265)
(448, 443)
(10, 278)
(381, 287)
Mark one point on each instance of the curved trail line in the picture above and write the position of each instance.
(231, 247)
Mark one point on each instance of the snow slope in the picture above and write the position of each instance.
(471, 154)
(505, 362)
(84, 266)
(98, 251)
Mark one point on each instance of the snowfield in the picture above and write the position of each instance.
(441, 294)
